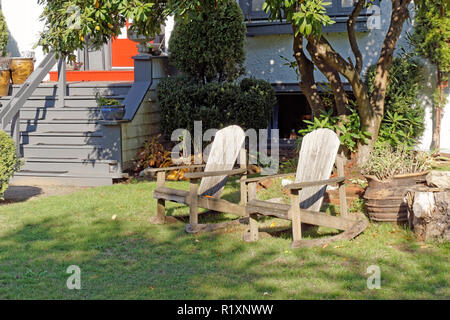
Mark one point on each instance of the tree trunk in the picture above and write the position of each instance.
(372, 119)
(436, 139)
(307, 83)
(340, 97)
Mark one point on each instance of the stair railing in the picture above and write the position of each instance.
(10, 112)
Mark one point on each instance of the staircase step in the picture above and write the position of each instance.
(49, 178)
(65, 151)
(76, 166)
(69, 101)
(67, 113)
(59, 125)
(54, 137)
(82, 88)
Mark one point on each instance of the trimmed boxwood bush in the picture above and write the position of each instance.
(248, 104)
(209, 46)
(9, 163)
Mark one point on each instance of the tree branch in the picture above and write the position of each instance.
(351, 23)
(333, 77)
(307, 82)
(398, 16)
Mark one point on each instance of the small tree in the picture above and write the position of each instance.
(307, 18)
(431, 39)
(69, 23)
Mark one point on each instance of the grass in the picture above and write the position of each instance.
(128, 258)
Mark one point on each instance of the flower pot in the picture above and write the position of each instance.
(21, 69)
(5, 76)
(385, 199)
(113, 112)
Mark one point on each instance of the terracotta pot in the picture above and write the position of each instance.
(5, 76)
(21, 68)
(385, 199)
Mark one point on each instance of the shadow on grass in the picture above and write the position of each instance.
(129, 258)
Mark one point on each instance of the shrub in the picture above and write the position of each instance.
(210, 45)
(248, 104)
(4, 35)
(9, 163)
(404, 116)
(347, 128)
(386, 161)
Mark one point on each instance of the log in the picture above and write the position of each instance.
(429, 214)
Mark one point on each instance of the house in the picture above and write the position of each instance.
(65, 140)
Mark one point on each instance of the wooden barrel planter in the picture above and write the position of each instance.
(385, 199)
(4, 82)
(21, 68)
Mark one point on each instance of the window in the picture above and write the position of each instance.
(252, 9)
(257, 23)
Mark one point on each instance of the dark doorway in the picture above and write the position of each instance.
(291, 110)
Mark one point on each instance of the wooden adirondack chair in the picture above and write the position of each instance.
(228, 144)
(316, 158)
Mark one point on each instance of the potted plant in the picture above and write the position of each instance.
(5, 75)
(111, 109)
(22, 67)
(390, 173)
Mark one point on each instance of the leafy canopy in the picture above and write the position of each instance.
(308, 16)
(68, 23)
(431, 36)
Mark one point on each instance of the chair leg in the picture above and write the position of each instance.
(160, 217)
(251, 233)
(296, 220)
(193, 206)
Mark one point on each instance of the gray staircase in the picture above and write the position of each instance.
(69, 145)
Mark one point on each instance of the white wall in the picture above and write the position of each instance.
(426, 97)
(22, 18)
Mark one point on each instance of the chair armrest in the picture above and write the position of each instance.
(150, 170)
(197, 175)
(301, 185)
(258, 179)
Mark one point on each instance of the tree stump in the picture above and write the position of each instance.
(429, 214)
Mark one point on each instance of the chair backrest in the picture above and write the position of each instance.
(315, 162)
(228, 143)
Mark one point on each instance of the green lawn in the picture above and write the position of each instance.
(128, 258)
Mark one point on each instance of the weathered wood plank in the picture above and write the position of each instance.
(296, 216)
(197, 175)
(193, 204)
(307, 216)
(316, 159)
(342, 194)
(357, 228)
(302, 185)
(224, 152)
(221, 205)
(262, 178)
